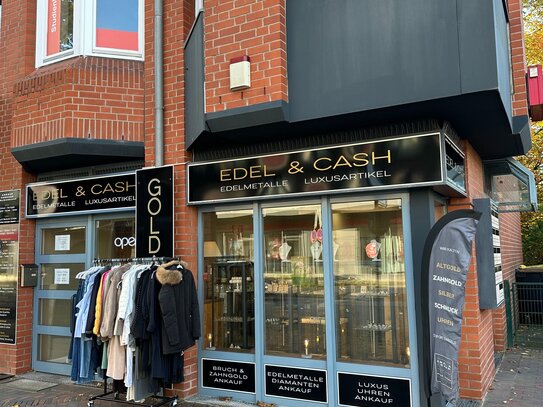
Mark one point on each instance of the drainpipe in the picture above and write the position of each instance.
(159, 87)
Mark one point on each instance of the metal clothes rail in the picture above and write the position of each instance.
(161, 400)
(106, 396)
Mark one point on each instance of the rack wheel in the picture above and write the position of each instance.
(174, 403)
(90, 403)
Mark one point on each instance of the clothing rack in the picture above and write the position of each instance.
(161, 400)
(137, 260)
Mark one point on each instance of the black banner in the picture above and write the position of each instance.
(296, 383)
(86, 195)
(9, 257)
(373, 391)
(228, 375)
(391, 163)
(9, 207)
(154, 212)
(447, 255)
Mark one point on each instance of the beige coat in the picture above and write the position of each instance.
(110, 302)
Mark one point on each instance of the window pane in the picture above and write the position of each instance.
(69, 240)
(55, 312)
(294, 281)
(369, 278)
(115, 238)
(117, 24)
(52, 348)
(60, 26)
(60, 276)
(229, 322)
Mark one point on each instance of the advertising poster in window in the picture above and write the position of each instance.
(117, 24)
(9, 255)
(53, 26)
(447, 253)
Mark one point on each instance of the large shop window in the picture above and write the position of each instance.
(362, 247)
(294, 281)
(229, 317)
(369, 279)
(98, 27)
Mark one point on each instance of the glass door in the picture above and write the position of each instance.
(294, 282)
(62, 251)
(65, 247)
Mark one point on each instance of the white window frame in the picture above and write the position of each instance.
(198, 6)
(84, 35)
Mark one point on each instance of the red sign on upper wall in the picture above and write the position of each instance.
(53, 26)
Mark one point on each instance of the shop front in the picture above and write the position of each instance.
(307, 278)
(78, 222)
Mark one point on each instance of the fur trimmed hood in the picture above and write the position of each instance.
(169, 274)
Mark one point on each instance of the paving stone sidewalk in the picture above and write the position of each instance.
(518, 383)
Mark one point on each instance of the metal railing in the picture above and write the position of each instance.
(527, 314)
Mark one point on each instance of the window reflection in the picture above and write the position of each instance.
(229, 322)
(294, 281)
(60, 26)
(369, 278)
(115, 238)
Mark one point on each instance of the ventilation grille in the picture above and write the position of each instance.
(326, 139)
(90, 171)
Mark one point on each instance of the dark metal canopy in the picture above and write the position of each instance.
(67, 153)
(511, 185)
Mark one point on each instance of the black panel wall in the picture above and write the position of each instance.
(194, 82)
(356, 55)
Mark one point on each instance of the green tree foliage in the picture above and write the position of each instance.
(532, 222)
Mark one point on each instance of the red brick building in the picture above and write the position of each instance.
(315, 271)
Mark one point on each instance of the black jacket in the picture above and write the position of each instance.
(179, 308)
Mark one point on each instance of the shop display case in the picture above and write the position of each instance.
(231, 300)
(295, 313)
(373, 304)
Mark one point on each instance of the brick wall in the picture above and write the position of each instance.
(512, 258)
(518, 58)
(16, 61)
(510, 227)
(235, 28)
(178, 18)
(82, 97)
(476, 353)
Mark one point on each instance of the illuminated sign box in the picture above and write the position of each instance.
(429, 159)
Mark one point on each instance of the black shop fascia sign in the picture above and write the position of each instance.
(392, 163)
(81, 196)
(154, 212)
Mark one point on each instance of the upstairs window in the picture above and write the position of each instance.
(97, 27)
(198, 6)
(60, 26)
